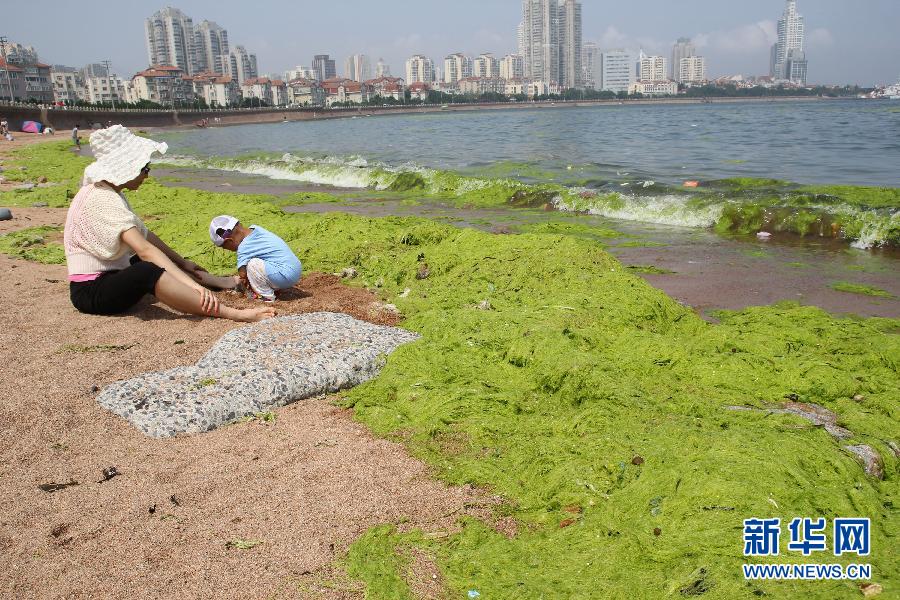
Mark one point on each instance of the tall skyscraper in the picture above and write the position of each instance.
(617, 70)
(242, 65)
(170, 39)
(420, 69)
(324, 67)
(541, 35)
(520, 39)
(790, 37)
(591, 66)
(457, 66)
(211, 47)
(551, 41)
(358, 68)
(683, 48)
(796, 66)
(570, 44)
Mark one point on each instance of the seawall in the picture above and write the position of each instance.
(66, 118)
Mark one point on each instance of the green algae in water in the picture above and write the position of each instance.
(34, 244)
(648, 270)
(580, 366)
(856, 288)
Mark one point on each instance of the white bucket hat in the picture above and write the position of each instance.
(120, 155)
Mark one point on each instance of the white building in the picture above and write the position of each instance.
(551, 42)
(457, 66)
(419, 68)
(520, 39)
(217, 90)
(358, 68)
(104, 89)
(306, 92)
(683, 48)
(591, 66)
(163, 84)
(570, 44)
(654, 88)
(486, 66)
(653, 68)
(170, 39)
(796, 67)
(481, 85)
(299, 72)
(790, 37)
(512, 66)
(691, 70)
(617, 71)
(68, 84)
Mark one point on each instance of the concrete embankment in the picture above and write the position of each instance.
(67, 118)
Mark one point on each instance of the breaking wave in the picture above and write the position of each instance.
(644, 201)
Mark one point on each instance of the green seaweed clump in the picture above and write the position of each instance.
(34, 244)
(856, 288)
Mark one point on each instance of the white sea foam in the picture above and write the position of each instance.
(664, 210)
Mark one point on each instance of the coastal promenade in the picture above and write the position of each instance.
(66, 118)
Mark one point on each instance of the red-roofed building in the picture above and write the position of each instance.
(340, 89)
(14, 87)
(164, 85)
(29, 81)
(258, 90)
(217, 90)
(387, 87)
(306, 92)
(419, 90)
(280, 96)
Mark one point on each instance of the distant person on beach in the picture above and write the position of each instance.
(75, 137)
(265, 262)
(112, 258)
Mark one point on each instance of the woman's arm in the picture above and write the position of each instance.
(149, 251)
(199, 274)
(171, 254)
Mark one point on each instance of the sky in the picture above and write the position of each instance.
(847, 41)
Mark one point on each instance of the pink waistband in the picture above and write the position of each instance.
(84, 277)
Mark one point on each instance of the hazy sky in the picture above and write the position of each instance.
(848, 41)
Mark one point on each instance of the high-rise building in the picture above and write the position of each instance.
(520, 39)
(420, 69)
(683, 48)
(617, 70)
(541, 36)
(382, 69)
(691, 69)
(652, 68)
(324, 67)
(358, 68)
(18, 54)
(170, 39)
(243, 65)
(570, 44)
(551, 41)
(485, 65)
(211, 48)
(299, 72)
(512, 66)
(796, 66)
(457, 66)
(591, 66)
(790, 37)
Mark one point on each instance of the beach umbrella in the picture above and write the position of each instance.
(32, 127)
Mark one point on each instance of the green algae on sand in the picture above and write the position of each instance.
(34, 244)
(578, 368)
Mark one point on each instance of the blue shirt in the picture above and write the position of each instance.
(283, 268)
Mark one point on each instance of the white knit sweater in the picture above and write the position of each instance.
(95, 222)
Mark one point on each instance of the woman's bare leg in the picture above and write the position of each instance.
(181, 297)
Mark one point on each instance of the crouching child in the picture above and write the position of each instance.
(265, 262)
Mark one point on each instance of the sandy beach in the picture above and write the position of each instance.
(572, 444)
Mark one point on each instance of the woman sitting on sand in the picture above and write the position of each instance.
(113, 259)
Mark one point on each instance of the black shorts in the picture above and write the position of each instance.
(115, 292)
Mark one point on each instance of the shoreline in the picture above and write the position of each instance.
(63, 119)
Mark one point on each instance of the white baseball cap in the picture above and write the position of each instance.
(223, 222)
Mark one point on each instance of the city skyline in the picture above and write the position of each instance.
(842, 45)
